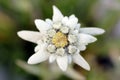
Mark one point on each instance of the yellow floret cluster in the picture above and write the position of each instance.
(60, 39)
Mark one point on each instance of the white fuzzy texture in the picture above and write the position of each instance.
(40, 56)
(85, 39)
(37, 48)
(92, 31)
(62, 62)
(57, 25)
(78, 59)
(42, 26)
(57, 15)
(60, 51)
(72, 49)
(77, 38)
(51, 48)
(72, 22)
(72, 38)
(51, 32)
(64, 30)
(31, 36)
(52, 58)
(49, 21)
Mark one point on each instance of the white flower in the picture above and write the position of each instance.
(60, 39)
(60, 52)
(51, 32)
(72, 49)
(51, 48)
(72, 38)
(64, 29)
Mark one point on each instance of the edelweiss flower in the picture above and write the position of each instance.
(60, 39)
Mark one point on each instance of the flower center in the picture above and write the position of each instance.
(60, 40)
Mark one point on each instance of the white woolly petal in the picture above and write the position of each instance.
(52, 58)
(69, 59)
(92, 31)
(57, 15)
(40, 56)
(85, 39)
(42, 26)
(72, 22)
(65, 20)
(77, 27)
(74, 32)
(78, 59)
(62, 62)
(31, 36)
(49, 21)
(37, 48)
(72, 16)
(81, 47)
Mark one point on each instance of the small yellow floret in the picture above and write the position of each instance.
(59, 40)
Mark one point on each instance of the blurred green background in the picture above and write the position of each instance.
(103, 55)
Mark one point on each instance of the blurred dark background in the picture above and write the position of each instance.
(103, 55)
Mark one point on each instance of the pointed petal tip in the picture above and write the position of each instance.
(54, 7)
(87, 68)
(32, 60)
(79, 60)
(95, 39)
(41, 25)
(92, 39)
(102, 31)
(29, 61)
(63, 69)
(20, 33)
(57, 14)
(38, 57)
(62, 63)
(92, 30)
(28, 35)
(36, 21)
